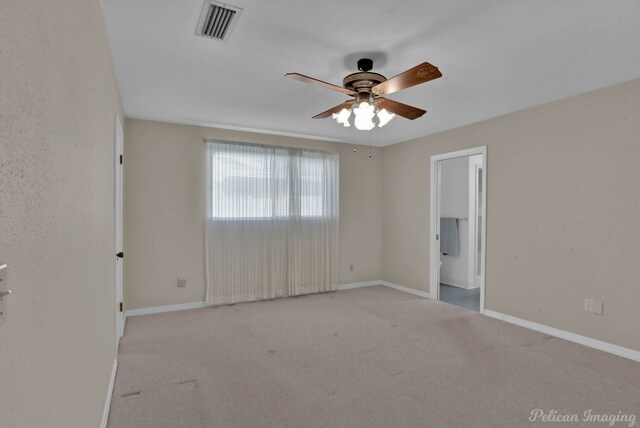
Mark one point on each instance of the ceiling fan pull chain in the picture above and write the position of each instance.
(355, 146)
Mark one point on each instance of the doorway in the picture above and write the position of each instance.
(458, 224)
(118, 196)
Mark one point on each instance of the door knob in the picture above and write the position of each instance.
(120, 255)
(4, 293)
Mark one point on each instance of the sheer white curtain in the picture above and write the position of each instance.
(272, 222)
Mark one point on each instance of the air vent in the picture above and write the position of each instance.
(218, 20)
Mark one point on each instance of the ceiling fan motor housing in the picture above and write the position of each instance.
(363, 81)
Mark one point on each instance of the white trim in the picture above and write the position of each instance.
(107, 403)
(118, 231)
(349, 286)
(161, 309)
(567, 335)
(199, 305)
(434, 215)
(405, 289)
(475, 165)
(434, 229)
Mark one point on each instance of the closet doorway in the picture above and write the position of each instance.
(458, 225)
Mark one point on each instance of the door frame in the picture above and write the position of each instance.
(434, 216)
(118, 234)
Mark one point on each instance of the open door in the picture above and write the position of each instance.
(458, 224)
(118, 257)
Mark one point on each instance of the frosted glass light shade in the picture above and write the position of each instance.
(384, 116)
(364, 114)
(342, 117)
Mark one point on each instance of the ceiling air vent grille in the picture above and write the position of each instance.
(218, 20)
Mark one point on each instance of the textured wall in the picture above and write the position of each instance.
(562, 211)
(57, 105)
(164, 209)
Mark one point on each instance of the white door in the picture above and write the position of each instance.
(435, 291)
(119, 306)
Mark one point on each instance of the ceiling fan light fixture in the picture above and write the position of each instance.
(369, 90)
(364, 116)
(384, 117)
(342, 117)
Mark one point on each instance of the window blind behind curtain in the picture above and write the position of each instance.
(272, 222)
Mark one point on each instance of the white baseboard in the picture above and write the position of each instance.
(384, 283)
(349, 286)
(197, 305)
(405, 289)
(567, 335)
(161, 309)
(107, 403)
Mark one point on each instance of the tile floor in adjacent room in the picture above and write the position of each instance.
(465, 298)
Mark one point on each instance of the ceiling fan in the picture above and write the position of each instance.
(368, 89)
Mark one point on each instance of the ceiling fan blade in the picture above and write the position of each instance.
(336, 109)
(306, 79)
(414, 76)
(400, 109)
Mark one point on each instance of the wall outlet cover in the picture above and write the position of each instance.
(593, 306)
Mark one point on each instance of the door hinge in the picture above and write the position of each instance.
(121, 159)
(120, 255)
(121, 307)
(437, 236)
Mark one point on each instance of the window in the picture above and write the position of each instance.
(259, 182)
(272, 226)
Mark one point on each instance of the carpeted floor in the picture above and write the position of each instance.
(369, 357)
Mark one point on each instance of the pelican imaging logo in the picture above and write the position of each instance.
(611, 419)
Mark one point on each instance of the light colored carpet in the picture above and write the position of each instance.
(369, 357)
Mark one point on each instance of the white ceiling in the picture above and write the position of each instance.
(497, 56)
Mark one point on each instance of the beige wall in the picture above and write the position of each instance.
(563, 211)
(58, 100)
(165, 209)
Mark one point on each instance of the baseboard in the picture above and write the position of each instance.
(107, 403)
(384, 283)
(405, 289)
(198, 305)
(567, 335)
(349, 286)
(161, 309)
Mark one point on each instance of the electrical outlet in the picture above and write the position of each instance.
(593, 306)
(351, 267)
(182, 282)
